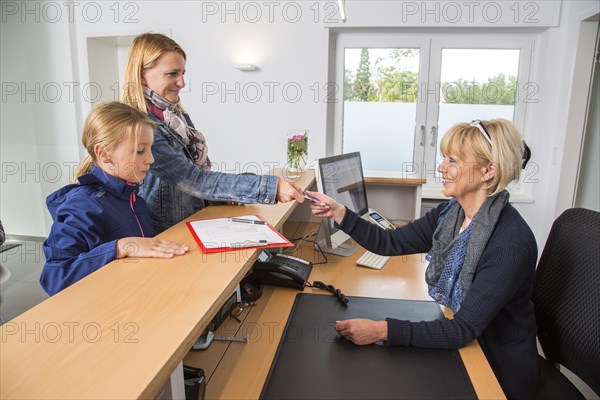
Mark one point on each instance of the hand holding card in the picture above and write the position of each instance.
(309, 197)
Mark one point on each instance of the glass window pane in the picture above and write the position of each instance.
(476, 84)
(380, 92)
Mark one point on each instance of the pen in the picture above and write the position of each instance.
(249, 243)
(248, 221)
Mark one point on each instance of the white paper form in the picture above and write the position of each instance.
(235, 232)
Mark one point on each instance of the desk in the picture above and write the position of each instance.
(239, 370)
(121, 332)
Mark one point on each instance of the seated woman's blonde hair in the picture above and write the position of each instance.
(504, 153)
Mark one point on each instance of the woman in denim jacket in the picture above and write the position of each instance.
(180, 179)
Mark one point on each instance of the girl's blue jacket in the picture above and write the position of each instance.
(89, 217)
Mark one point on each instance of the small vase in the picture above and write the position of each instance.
(297, 150)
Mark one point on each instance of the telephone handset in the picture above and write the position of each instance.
(282, 270)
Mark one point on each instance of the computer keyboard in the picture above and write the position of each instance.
(372, 260)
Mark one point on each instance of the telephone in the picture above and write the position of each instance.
(282, 270)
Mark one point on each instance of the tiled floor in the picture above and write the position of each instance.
(22, 290)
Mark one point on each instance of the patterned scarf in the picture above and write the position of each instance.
(193, 139)
(454, 255)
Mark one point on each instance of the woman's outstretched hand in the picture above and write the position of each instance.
(326, 207)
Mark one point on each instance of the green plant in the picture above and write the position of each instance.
(297, 152)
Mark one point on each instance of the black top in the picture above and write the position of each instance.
(497, 310)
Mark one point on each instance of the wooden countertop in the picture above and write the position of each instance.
(120, 332)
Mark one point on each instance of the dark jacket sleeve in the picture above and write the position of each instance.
(74, 248)
(503, 269)
(416, 237)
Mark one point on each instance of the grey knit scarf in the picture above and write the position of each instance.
(454, 256)
(193, 139)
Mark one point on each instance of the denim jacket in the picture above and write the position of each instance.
(176, 188)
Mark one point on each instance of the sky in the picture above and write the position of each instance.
(470, 64)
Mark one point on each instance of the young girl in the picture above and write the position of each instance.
(100, 218)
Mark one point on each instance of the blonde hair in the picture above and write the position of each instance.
(145, 51)
(110, 124)
(504, 154)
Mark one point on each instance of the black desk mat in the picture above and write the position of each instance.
(313, 362)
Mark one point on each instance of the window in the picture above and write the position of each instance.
(380, 104)
(403, 91)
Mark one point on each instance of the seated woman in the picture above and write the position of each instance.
(482, 257)
(100, 218)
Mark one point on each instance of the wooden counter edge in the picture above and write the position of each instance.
(480, 372)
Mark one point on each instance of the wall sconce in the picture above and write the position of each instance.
(245, 67)
(342, 7)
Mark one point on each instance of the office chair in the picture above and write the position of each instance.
(4, 275)
(567, 304)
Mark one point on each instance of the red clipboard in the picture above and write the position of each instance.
(207, 248)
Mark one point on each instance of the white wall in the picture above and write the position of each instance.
(245, 129)
(290, 52)
(546, 125)
(38, 132)
(588, 187)
(245, 115)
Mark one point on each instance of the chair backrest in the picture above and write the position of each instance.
(567, 294)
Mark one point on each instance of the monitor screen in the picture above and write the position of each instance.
(341, 178)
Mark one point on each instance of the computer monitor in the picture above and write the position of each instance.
(341, 178)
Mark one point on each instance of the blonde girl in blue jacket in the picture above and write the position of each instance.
(100, 218)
